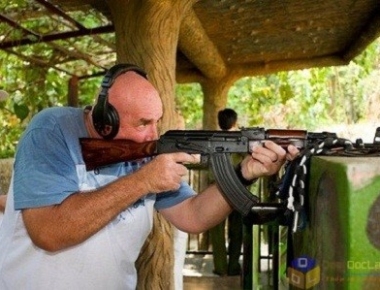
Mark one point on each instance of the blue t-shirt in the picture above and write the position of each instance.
(46, 159)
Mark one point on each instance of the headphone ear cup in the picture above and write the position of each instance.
(100, 116)
(110, 123)
(105, 117)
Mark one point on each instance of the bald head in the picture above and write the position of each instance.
(131, 86)
(138, 105)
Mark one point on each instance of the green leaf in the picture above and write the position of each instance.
(21, 111)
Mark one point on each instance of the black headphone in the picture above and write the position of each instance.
(104, 116)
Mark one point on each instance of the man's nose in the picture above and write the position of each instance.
(153, 133)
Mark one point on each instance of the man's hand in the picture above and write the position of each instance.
(266, 160)
(165, 172)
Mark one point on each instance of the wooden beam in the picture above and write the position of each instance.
(368, 35)
(265, 68)
(76, 54)
(288, 65)
(56, 36)
(198, 48)
(36, 61)
(56, 10)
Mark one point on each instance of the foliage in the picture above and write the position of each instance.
(88, 90)
(308, 98)
(34, 87)
(189, 99)
(305, 99)
(31, 89)
(296, 99)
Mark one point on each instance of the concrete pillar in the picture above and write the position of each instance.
(343, 233)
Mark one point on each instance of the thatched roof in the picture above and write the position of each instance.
(248, 37)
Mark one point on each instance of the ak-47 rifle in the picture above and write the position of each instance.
(215, 148)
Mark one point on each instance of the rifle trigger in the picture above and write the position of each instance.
(204, 159)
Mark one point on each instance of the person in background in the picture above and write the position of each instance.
(226, 261)
(66, 227)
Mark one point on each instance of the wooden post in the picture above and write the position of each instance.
(72, 94)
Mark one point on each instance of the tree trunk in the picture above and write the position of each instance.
(215, 99)
(147, 35)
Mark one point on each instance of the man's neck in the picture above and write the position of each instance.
(89, 125)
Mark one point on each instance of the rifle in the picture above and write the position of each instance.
(215, 148)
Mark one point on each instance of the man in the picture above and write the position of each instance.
(68, 228)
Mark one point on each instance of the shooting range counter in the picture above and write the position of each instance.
(340, 247)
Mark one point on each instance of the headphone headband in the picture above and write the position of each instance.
(119, 69)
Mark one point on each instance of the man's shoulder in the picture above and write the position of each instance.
(50, 117)
(57, 112)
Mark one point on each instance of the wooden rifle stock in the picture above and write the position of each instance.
(101, 152)
(284, 137)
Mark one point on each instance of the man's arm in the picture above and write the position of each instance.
(84, 213)
(81, 215)
(207, 209)
(200, 212)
